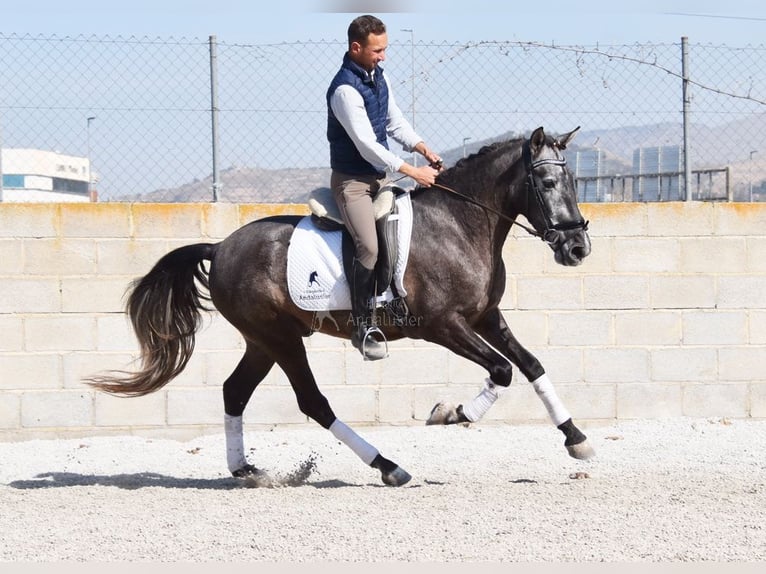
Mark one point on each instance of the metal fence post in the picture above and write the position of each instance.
(686, 97)
(214, 113)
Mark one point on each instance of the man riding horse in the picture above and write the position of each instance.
(459, 227)
(361, 115)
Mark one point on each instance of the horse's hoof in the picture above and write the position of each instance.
(390, 472)
(396, 477)
(259, 479)
(443, 414)
(581, 451)
(254, 477)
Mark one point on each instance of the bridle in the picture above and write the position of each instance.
(549, 235)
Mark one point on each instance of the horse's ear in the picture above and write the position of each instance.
(537, 140)
(563, 140)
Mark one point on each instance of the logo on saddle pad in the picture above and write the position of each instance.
(314, 290)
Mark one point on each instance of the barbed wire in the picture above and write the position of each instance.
(612, 56)
(581, 51)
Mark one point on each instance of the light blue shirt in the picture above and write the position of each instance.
(348, 106)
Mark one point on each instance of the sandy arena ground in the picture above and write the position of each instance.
(673, 491)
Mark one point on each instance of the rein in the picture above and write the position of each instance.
(502, 215)
(550, 228)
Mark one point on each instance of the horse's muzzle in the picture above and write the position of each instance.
(570, 247)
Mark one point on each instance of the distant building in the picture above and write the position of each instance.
(659, 171)
(32, 175)
(588, 167)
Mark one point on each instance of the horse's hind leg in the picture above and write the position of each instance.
(237, 390)
(461, 339)
(292, 359)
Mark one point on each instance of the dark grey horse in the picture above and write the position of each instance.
(454, 281)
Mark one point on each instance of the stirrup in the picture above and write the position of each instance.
(368, 342)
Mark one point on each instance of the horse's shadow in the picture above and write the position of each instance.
(140, 480)
(132, 481)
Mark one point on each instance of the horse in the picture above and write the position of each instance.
(455, 278)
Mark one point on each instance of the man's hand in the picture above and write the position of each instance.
(433, 158)
(424, 175)
(437, 165)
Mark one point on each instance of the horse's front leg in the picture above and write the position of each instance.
(496, 332)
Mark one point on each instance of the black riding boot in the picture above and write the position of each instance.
(365, 336)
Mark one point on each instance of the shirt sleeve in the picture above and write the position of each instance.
(397, 126)
(348, 106)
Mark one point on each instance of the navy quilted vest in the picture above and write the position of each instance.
(344, 156)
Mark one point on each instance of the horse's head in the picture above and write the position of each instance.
(552, 198)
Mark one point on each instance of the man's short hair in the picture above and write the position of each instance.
(362, 27)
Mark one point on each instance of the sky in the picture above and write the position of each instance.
(731, 23)
(587, 22)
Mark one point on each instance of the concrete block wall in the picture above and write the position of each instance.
(666, 318)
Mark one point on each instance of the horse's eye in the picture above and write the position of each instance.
(549, 183)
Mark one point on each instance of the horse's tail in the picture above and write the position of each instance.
(164, 308)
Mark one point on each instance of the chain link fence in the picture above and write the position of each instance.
(141, 113)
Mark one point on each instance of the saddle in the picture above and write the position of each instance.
(325, 215)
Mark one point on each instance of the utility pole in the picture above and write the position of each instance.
(213, 45)
(89, 119)
(750, 174)
(412, 90)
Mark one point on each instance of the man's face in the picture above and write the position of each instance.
(372, 53)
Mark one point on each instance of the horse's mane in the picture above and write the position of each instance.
(486, 150)
(463, 164)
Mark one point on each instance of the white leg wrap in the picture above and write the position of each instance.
(235, 445)
(556, 410)
(347, 436)
(479, 406)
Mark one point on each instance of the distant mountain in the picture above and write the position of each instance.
(621, 142)
(711, 147)
(715, 146)
(248, 185)
(726, 146)
(451, 156)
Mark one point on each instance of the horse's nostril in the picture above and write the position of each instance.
(579, 252)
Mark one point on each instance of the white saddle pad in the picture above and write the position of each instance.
(315, 275)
